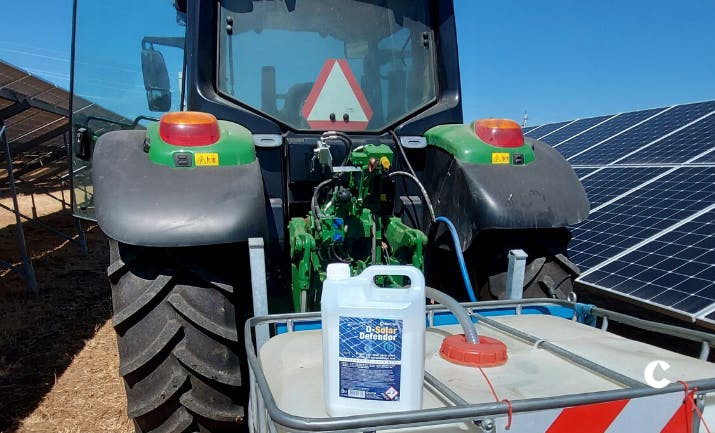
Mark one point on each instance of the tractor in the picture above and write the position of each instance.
(331, 129)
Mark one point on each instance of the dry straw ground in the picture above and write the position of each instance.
(58, 352)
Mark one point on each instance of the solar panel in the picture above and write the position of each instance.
(604, 131)
(707, 158)
(529, 129)
(674, 271)
(679, 147)
(572, 129)
(650, 178)
(583, 171)
(545, 130)
(611, 182)
(667, 122)
(709, 319)
(641, 214)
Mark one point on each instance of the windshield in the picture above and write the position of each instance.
(339, 64)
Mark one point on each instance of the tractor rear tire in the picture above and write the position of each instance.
(176, 317)
(544, 277)
(548, 274)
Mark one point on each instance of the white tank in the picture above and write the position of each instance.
(293, 365)
(373, 341)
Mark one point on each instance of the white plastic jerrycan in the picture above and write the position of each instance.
(373, 341)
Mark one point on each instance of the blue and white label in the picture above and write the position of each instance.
(370, 358)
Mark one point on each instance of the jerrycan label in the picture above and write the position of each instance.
(370, 358)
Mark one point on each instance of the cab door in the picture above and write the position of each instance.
(127, 69)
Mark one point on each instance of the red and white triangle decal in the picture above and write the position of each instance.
(337, 94)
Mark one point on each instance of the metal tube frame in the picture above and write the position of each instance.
(258, 284)
(270, 415)
(561, 352)
(671, 330)
(515, 274)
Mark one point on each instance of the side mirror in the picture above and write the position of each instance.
(156, 80)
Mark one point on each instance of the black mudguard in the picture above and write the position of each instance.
(475, 197)
(141, 203)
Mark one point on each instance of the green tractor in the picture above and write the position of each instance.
(332, 130)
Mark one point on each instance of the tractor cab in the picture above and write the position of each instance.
(315, 65)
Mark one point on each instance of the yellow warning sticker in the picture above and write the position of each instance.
(204, 159)
(500, 158)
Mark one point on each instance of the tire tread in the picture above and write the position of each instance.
(177, 332)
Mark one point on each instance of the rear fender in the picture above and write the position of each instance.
(141, 203)
(543, 194)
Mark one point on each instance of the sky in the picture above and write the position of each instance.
(555, 60)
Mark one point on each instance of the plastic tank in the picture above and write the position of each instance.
(373, 341)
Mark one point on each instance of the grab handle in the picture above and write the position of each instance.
(417, 280)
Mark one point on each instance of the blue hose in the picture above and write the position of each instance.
(460, 257)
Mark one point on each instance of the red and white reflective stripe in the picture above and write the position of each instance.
(664, 413)
(641, 410)
(600, 416)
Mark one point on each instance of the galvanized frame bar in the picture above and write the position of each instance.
(258, 286)
(561, 352)
(704, 350)
(700, 403)
(662, 328)
(515, 275)
(443, 389)
(28, 271)
(671, 330)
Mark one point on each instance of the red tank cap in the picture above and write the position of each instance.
(490, 352)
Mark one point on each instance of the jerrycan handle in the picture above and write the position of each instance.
(417, 280)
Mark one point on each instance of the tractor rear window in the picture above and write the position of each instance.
(338, 64)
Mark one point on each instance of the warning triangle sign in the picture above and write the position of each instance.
(336, 101)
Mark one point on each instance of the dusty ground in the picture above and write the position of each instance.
(58, 354)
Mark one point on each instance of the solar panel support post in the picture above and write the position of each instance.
(515, 276)
(28, 271)
(81, 239)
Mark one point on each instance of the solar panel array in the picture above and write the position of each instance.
(650, 177)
